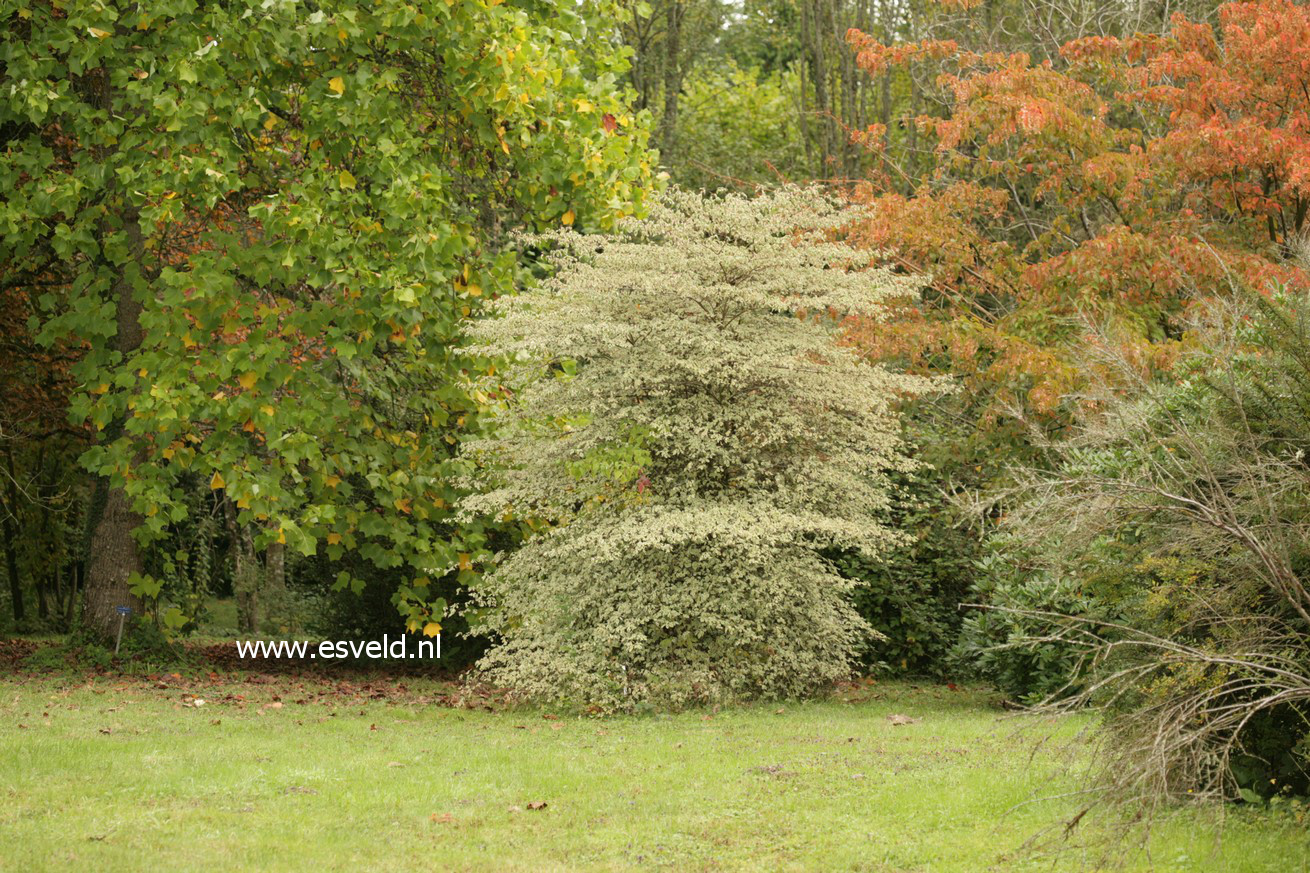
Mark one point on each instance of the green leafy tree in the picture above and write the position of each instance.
(688, 443)
(267, 224)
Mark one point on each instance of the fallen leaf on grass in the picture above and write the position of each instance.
(441, 818)
(903, 719)
(537, 804)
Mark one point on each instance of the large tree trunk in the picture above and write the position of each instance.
(112, 557)
(112, 554)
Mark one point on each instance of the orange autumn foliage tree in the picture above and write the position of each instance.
(1091, 199)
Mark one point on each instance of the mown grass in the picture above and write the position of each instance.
(300, 773)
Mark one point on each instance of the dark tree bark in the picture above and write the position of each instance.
(112, 557)
(8, 512)
(245, 571)
(274, 593)
(11, 565)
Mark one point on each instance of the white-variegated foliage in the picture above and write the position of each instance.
(691, 441)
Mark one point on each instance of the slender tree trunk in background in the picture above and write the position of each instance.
(885, 118)
(8, 508)
(70, 607)
(44, 494)
(672, 80)
(42, 598)
(803, 109)
(11, 565)
(274, 595)
(913, 132)
(245, 571)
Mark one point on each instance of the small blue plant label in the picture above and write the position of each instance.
(124, 610)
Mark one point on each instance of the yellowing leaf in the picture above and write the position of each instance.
(102, 388)
(346, 180)
(217, 481)
(97, 32)
(431, 629)
(403, 504)
(567, 218)
(247, 380)
(337, 84)
(333, 539)
(282, 537)
(332, 481)
(465, 561)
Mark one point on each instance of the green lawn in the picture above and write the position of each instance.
(122, 774)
